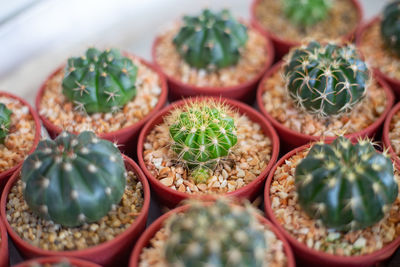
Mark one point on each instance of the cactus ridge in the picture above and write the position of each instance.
(100, 81)
(5, 122)
(346, 186)
(306, 12)
(390, 27)
(73, 179)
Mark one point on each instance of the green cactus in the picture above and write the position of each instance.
(306, 12)
(202, 134)
(326, 80)
(5, 121)
(100, 81)
(217, 235)
(390, 27)
(211, 41)
(346, 186)
(73, 179)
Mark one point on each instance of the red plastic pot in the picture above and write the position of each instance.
(385, 134)
(243, 92)
(291, 139)
(111, 253)
(283, 46)
(3, 246)
(125, 137)
(312, 257)
(4, 176)
(170, 197)
(55, 260)
(144, 240)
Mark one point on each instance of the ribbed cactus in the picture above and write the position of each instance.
(346, 186)
(202, 134)
(216, 235)
(100, 81)
(73, 179)
(5, 121)
(306, 12)
(390, 26)
(211, 40)
(327, 79)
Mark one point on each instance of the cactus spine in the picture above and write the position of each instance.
(390, 27)
(5, 121)
(306, 12)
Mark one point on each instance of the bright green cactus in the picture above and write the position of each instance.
(202, 134)
(346, 186)
(5, 121)
(73, 179)
(306, 12)
(326, 80)
(212, 40)
(216, 235)
(100, 81)
(390, 26)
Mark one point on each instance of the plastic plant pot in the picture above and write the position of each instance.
(55, 260)
(385, 135)
(3, 246)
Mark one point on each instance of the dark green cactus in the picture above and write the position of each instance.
(306, 12)
(202, 134)
(211, 40)
(100, 81)
(346, 186)
(5, 121)
(390, 26)
(217, 235)
(327, 79)
(73, 179)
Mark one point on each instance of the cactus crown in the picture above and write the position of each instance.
(306, 12)
(5, 121)
(390, 27)
(73, 179)
(211, 40)
(218, 235)
(202, 133)
(326, 80)
(347, 186)
(100, 81)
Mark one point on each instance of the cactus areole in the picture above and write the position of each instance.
(346, 186)
(390, 27)
(5, 121)
(211, 40)
(306, 12)
(73, 179)
(99, 81)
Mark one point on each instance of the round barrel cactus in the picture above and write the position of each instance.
(100, 81)
(73, 179)
(216, 235)
(326, 80)
(346, 186)
(306, 12)
(211, 40)
(390, 26)
(202, 134)
(5, 121)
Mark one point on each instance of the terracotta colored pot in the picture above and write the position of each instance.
(156, 226)
(126, 137)
(283, 46)
(3, 246)
(291, 139)
(312, 257)
(4, 176)
(385, 134)
(170, 197)
(55, 260)
(243, 92)
(111, 253)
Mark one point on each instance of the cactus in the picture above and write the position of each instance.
(306, 12)
(5, 121)
(202, 134)
(100, 81)
(73, 179)
(217, 235)
(346, 186)
(211, 41)
(326, 80)
(390, 27)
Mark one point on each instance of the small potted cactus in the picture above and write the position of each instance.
(56, 262)
(212, 54)
(107, 92)
(81, 197)
(336, 203)
(216, 233)
(206, 146)
(391, 134)
(320, 90)
(4, 260)
(288, 22)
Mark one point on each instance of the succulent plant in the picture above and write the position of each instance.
(306, 12)
(5, 121)
(100, 81)
(211, 41)
(346, 186)
(73, 179)
(326, 80)
(202, 134)
(215, 235)
(390, 26)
